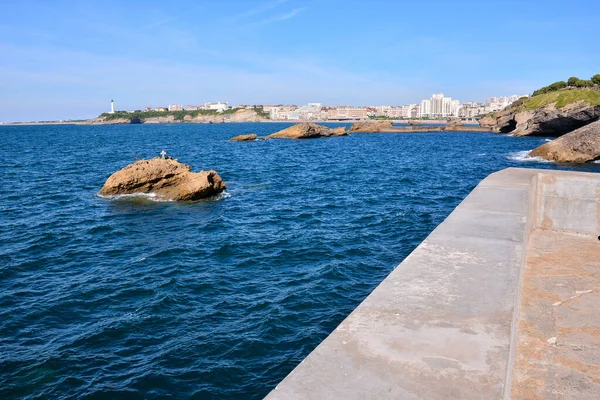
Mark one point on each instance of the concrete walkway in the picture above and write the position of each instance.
(449, 321)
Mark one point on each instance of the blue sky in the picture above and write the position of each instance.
(67, 59)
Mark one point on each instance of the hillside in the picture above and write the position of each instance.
(561, 98)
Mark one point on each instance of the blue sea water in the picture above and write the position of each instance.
(131, 298)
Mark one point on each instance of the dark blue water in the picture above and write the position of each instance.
(219, 299)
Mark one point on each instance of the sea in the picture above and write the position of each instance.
(134, 298)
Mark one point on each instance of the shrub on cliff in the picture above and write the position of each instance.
(584, 83)
(572, 81)
(596, 79)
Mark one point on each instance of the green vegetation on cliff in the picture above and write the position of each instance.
(178, 115)
(261, 112)
(571, 82)
(139, 116)
(561, 98)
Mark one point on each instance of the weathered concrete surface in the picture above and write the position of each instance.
(558, 347)
(447, 322)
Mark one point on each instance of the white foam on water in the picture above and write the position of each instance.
(547, 140)
(158, 198)
(147, 196)
(523, 156)
(223, 195)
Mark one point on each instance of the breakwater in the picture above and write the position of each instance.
(478, 309)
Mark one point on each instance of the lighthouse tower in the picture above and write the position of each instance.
(112, 106)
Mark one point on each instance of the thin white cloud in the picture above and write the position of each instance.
(256, 11)
(279, 18)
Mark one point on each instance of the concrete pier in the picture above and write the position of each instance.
(502, 300)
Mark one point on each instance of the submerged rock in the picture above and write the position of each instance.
(244, 138)
(304, 130)
(371, 126)
(580, 146)
(167, 178)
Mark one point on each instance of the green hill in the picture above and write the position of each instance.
(564, 97)
(560, 97)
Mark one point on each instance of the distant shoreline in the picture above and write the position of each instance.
(87, 122)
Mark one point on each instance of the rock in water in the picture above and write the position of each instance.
(304, 130)
(167, 178)
(341, 131)
(581, 145)
(244, 138)
(371, 126)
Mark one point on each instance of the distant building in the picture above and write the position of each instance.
(148, 109)
(112, 107)
(160, 109)
(191, 108)
(347, 112)
(307, 112)
(219, 106)
(439, 106)
(175, 107)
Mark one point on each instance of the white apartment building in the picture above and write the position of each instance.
(309, 111)
(439, 106)
(175, 107)
(219, 106)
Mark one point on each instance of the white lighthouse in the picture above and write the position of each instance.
(112, 106)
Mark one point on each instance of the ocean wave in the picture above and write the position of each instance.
(523, 156)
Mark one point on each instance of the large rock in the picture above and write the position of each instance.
(544, 121)
(244, 138)
(579, 146)
(167, 178)
(371, 126)
(304, 130)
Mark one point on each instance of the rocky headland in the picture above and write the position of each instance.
(307, 130)
(547, 114)
(165, 177)
(580, 146)
(239, 115)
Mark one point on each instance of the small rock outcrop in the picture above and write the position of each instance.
(340, 131)
(244, 138)
(371, 126)
(579, 146)
(304, 130)
(454, 122)
(167, 178)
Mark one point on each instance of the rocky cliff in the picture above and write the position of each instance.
(547, 115)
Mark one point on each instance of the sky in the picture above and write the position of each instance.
(68, 59)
